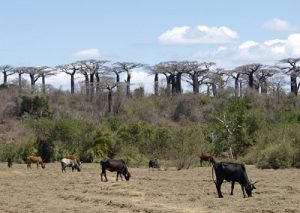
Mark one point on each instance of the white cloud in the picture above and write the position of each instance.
(278, 24)
(88, 53)
(199, 35)
(268, 52)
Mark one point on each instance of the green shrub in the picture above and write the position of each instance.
(276, 156)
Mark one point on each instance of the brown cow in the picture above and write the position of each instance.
(207, 157)
(35, 159)
(74, 157)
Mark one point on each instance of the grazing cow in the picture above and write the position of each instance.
(9, 162)
(118, 166)
(69, 163)
(207, 157)
(74, 157)
(35, 159)
(232, 172)
(153, 164)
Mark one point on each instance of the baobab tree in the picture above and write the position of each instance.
(197, 72)
(70, 69)
(46, 72)
(127, 67)
(262, 75)
(163, 68)
(249, 70)
(109, 84)
(215, 81)
(7, 70)
(293, 70)
(20, 71)
(90, 70)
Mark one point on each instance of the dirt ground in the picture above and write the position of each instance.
(192, 190)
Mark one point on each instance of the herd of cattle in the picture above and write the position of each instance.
(231, 172)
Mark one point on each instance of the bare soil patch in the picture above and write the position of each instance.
(50, 190)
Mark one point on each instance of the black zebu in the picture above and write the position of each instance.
(118, 166)
(153, 164)
(232, 172)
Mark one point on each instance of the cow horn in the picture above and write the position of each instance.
(255, 182)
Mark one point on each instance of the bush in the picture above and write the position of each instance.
(276, 156)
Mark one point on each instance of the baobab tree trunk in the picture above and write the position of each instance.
(128, 84)
(168, 85)
(156, 84)
(4, 78)
(236, 87)
(20, 82)
(118, 82)
(32, 82)
(241, 89)
(173, 82)
(43, 84)
(72, 84)
(214, 90)
(195, 84)
(91, 86)
(294, 89)
(109, 99)
(264, 87)
(178, 83)
(251, 81)
(87, 91)
(208, 90)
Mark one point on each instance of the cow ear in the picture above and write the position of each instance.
(253, 187)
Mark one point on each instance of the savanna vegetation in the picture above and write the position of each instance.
(259, 123)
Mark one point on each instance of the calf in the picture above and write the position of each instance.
(153, 164)
(232, 172)
(9, 162)
(118, 166)
(207, 157)
(69, 163)
(35, 159)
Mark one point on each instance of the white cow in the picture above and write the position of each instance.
(69, 163)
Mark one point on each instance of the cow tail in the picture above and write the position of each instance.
(212, 174)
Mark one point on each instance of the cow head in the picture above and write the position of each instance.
(127, 176)
(249, 189)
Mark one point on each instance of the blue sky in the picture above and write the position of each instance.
(231, 32)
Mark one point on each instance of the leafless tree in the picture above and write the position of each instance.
(249, 70)
(127, 67)
(70, 69)
(46, 72)
(197, 72)
(262, 75)
(293, 70)
(20, 71)
(236, 74)
(90, 70)
(34, 74)
(215, 81)
(7, 70)
(108, 83)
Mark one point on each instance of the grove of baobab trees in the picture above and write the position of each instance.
(199, 75)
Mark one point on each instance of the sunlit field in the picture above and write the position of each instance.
(50, 190)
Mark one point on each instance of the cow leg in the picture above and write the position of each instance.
(103, 173)
(232, 187)
(218, 186)
(200, 162)
(121, 176)
(243, 190)
(117, 176)
(28, 165)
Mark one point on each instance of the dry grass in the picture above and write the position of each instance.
(191, 190)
